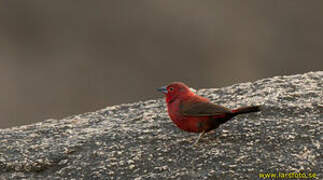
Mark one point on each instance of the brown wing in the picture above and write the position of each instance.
(202, 109)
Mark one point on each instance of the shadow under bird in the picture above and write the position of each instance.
(194, 113)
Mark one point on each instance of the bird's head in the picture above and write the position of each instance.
(175, 90)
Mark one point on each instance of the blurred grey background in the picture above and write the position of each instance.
(59, 58)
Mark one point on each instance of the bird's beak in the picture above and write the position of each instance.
(163, 89)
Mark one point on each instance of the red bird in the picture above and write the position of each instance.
(197, 114)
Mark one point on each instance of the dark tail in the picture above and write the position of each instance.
(247, 109)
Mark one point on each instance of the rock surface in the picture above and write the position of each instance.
(138, 140)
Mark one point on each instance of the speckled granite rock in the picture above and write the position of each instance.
(138, 140)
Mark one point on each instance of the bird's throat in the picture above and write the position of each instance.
(170, 99)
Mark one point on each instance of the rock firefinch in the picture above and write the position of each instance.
(194, 113)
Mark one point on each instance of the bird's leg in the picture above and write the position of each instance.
(198, 139)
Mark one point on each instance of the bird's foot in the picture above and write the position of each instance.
(195, 143)
(198, 139)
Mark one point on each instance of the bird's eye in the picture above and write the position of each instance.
(171, 89)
